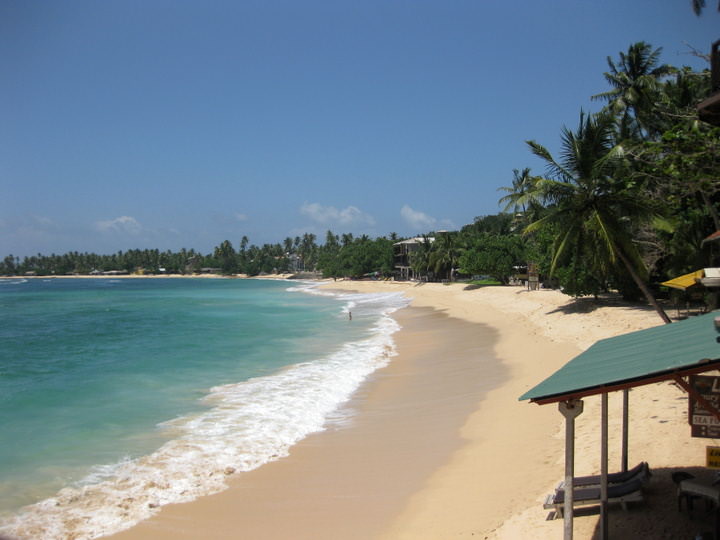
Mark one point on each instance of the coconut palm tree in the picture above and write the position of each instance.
(592, 209)
(521, 198)
(518, 194)
(445, 254)
(420, 258)
(635, 82)
(699, 5)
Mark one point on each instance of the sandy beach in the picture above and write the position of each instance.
(439, 445)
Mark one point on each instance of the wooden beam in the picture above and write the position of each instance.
(709, 110)
(708, 365)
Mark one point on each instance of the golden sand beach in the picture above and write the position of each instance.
(440, 447)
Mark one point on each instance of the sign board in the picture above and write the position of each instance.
(704, 423)
(712, 454)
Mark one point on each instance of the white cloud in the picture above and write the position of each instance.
(31, 227)
(241, 217)
(124, 224)
(331, 215)
(42, 220)
(416, 219)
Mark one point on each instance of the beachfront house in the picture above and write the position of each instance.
(402, 256)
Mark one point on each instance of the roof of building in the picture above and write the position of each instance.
(416, 240)
(686, 280)
(634, 359)
(714, 237)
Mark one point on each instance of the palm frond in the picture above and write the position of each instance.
(553, 167)
(561, 246)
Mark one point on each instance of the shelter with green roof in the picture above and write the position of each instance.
(670, 352)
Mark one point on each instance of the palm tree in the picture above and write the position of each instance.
(445, 254)
(518, 195)
(307, 250)
(635, 82)
(347, 239)
(699, 5)
(420, 257)
(521, 198)
(591, 208)
(225, 253)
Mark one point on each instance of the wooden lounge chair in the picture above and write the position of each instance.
(689, 489)
(641, 472)
(630, 491)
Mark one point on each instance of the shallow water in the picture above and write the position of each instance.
(119, 396)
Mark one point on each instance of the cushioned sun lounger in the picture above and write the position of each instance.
(641, 472)
(590, 496)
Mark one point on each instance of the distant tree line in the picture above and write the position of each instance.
(340, 256)
(491, 246)
(479, 246)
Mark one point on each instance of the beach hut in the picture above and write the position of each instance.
(670, 352)
(690, 285)
(685, 281)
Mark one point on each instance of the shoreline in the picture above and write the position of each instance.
(134, 276)
(483, 482)
(288, 276)
(494, 458)
(476, 490)
(342, 482)
(455, 500)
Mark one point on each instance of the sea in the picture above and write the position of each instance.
(119, 396)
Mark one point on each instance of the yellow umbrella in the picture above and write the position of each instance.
(686, 281)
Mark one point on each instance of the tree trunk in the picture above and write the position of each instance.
(643, 287)
(711, 209)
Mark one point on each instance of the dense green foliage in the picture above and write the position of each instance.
(636, 186)
(493, 255)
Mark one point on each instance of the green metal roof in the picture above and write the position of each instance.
(635, 358)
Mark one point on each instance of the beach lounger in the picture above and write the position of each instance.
(689, 488)
(641, 472)
(590, 496)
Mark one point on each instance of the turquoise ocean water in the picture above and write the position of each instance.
(118, 396)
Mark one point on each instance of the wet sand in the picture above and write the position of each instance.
(440, 447)
(352, 480)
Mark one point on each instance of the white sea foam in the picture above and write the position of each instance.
(13, 281)
(367, 303)
(248, 424)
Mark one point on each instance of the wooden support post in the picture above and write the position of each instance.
(570, 409)
(604, 467)
(625, 429)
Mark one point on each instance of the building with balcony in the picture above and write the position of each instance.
(403, 252)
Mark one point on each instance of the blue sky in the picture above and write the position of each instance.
(169, 124)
